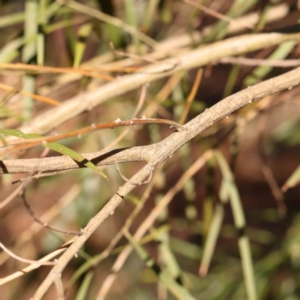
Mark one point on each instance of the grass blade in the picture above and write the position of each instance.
(240, 224)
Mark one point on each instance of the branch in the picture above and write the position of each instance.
(63, 163)
(165, 150)
(188, 60)
(281, 63)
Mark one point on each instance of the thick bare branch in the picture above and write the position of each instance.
(165, 150)
(63, 163)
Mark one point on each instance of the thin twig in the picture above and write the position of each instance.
(131, 55)
(28, 261)
(44, 69)
(31, 266)
(22, 144)
(215, 14)
(51, 213)
(275, 189)
(14, 194)
(191, 96)
(287, 63)
(36, 219)
(136, 112)
(128, 180)
(11, 89)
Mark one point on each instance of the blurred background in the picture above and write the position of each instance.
(251, 157)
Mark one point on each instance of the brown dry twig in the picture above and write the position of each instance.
(32, 69)
(44, 99)
(287, 63)
(16, 145)
(37, 220)
(25, 260)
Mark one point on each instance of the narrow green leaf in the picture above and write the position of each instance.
(28, 54)
(150, 15)
(96, 260)
(40, 35)
(240, 224)
(232, 78)
(220, 29)
(18, 133)
(84, 288)
(133, 11)
(187, 249)
(165, 278)
(11, 19)
(11, 50)
(76, 156)
(211, 240)
(259, 73)
(166, 255)
(80, 45)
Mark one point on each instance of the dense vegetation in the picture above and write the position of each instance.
(98, 90)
